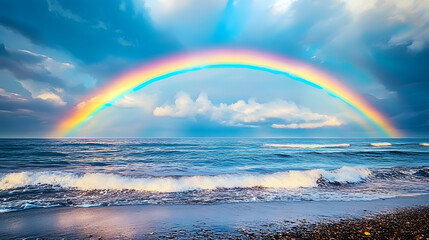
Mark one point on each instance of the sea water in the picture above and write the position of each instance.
(131, 171)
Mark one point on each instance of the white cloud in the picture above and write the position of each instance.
(11, 96)
(54, 6)
(348, 24)
(330, 122)
(415, 39)
(39, 68)
(52, 97)
(398, 10)
(411, 14)
(124, 42)
(48, 63)
(137, 100)
(281, 6)
(246, 113)
(42, 91)
(357, 8)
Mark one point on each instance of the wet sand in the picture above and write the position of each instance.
(277, 220)
(405, 223)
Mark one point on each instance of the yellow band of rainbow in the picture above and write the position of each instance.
(219, 58)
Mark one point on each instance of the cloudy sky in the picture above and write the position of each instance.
(53, 53)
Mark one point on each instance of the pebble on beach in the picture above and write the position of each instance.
(408, 223)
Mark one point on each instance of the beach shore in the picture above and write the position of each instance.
(405, 223)
(300, 219)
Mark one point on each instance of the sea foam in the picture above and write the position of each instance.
(381, 144)
(307, 145)
(98, 181)
(424, 144)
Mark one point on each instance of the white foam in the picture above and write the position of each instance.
(98, 181)
(307, 145)
(381, 144)
(3, 210)
(412, 194)
(29, 206)
(87, 205)
(347, 174)
(424, 144)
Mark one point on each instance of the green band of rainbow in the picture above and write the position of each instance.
(220, 58)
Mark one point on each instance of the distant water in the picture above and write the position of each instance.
(104, 172)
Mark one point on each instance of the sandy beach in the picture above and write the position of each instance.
(235, 220)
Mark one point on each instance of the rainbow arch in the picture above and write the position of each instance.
(219, 58)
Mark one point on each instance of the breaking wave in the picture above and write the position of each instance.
(381, 144)
(98, 181)
(424, 144)
(307, 145)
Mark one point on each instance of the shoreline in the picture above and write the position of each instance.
(178, 221)
(403, 223)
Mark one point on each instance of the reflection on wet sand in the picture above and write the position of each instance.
(125, 222)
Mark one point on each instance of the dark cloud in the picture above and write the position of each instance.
(405, 74)
(89, 30)
(27, 66)
(21, 117)
(17, 103)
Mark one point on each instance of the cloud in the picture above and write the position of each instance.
(54, 6)
(404, 23)
(27, 117)
(250, 113)
(39, 74)
(331, 122)
(91, 31)
(12, 96)
(99, 39)
(411, 16)
(43, 103)
(26, 65)
(137, 101)
(415, 39)
(52, 97)
(281, 6)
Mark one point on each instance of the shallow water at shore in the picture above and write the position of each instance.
(187, 221)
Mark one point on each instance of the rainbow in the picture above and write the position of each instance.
(219, 58)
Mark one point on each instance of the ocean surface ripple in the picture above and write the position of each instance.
(103, 172)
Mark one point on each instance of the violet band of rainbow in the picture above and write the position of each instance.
(146, 74)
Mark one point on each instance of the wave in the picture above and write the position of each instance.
(307, 145)
(424, 144)
(87, 144)
(381, 144)
(98, 181)
(49, 154)
(283, 155)
(3, 210)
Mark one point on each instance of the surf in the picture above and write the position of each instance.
(100, 181)
(312, 146)
(380, 144)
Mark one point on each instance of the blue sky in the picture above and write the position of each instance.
(53, 53)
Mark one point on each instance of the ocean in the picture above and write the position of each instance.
(86, 172)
